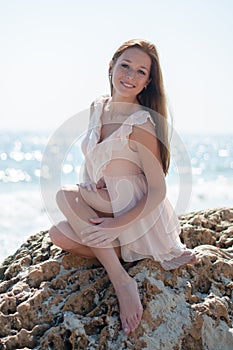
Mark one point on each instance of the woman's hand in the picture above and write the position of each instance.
(102, 234)
(101, 183)
(92, 186)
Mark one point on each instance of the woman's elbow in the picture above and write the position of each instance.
(162, 192)
(159, 193)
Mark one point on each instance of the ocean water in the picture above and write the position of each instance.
(207, 159)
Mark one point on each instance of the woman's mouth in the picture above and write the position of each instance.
(127, 85)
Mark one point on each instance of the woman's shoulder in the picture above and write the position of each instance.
(142, 119)
(97, 105)
(139, 125)
(100, 100)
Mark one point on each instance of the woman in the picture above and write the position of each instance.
(120, 211)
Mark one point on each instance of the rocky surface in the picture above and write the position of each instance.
(53, 300)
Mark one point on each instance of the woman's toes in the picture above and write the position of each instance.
(125, 327)
(133, 322)
(139, 313)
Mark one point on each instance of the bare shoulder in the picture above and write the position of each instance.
(143, 139)
(144, 133)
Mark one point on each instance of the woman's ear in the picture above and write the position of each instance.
(110, 67)
(148, 82)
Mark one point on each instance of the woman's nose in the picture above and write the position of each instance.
(130, 73)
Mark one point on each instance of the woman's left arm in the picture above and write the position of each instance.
(147, 146)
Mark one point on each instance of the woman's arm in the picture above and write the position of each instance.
(147, 146)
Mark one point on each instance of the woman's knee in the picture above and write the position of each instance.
(58, 238)
(99, 201)
(58, 235)
(55, 236)
(67, 195)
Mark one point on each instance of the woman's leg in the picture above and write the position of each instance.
(77, 212)
(71, 203)
(63, 241)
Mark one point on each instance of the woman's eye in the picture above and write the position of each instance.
(141, 72)
(124, 65)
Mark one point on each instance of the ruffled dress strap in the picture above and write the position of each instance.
(94, 124)
(97, 107)
(136, 118)
(139, 118)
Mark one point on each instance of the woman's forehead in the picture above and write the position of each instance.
(136, 55)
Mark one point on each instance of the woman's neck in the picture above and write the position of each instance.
(116, 106)
(119, 98)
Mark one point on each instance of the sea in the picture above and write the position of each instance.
(200, 177)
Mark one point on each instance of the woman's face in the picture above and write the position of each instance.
(130, 73)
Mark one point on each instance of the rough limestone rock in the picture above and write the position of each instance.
(53, 300)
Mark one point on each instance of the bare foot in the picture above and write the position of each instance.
(130, 305)
(188, 257)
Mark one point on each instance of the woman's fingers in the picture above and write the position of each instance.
(94, 235)
(95, 238)
(101, 183)
(89, 229)
(93, 187)
(96, 220)
(93, 228)
(89, 236)
(90, 186)
(99, 242)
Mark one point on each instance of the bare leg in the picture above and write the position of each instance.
(125, 287)
(69, 245)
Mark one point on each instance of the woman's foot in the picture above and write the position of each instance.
(188, 257)
(130, 305)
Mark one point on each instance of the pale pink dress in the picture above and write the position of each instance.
(156, 236)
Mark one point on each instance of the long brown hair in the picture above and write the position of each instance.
(153, 96)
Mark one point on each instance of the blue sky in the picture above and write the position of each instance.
(55, 54)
